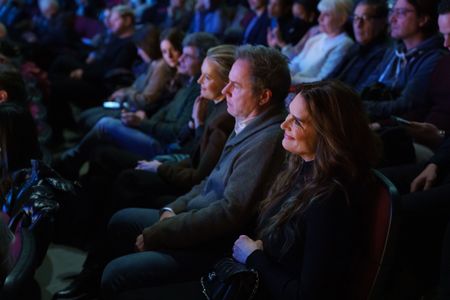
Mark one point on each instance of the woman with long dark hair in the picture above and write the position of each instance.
(309, 226)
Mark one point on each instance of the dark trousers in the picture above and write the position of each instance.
(133, 270)
(111, 185)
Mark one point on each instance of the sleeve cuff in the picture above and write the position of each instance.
(162, 210)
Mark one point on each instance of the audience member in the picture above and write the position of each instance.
(153, 88)
(307, 18)
(86, 84)
(425, 207)
(178, 16)
(399, 84)
(255, 32)
(209, 16)
(284, 28)
(370, 30)
(305, 10)
(323, 52)
(12, 86)
(310, 226)
(51, 32)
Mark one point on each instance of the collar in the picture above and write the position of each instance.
(241, 124)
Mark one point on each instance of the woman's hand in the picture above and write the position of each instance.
(426, 179)
(117, 95)
(199, 111)
(244, 246)
(150, 166)
(132, 119)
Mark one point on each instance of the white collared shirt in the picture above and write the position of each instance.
(241, 124)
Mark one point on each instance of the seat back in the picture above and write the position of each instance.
(378, 220)
(23, 251)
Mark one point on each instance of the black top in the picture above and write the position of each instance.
(119, 53)
(318, 265)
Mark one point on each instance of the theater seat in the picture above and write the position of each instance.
(375, 266)
(19, 283)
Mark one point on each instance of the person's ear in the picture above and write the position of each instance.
(423, 20)
(266, 96)
(3, 96)
(128, 21)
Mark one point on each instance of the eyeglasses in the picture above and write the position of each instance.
(363, 18)
(400, 12)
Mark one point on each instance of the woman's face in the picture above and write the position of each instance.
(169, 53)
(331, 23)
(300, 137)
(210, 82)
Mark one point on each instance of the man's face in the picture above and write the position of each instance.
(275, 8)
(189, 62)
(242, 102)
(119, 24)
(256, 4)
(366, 25)
(444, 28)
(404, 21)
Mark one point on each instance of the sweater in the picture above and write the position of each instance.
(225, 204)
(407, 75)
(167, 122)
(319, 57)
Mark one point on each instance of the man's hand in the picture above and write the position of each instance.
(132, 119)
(76, 74)
(140, 243)
(424, 133)
(426, 179)
(166, 214)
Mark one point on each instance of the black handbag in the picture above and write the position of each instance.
(230, 280)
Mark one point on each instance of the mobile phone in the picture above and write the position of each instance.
(130, 107)
(400, 121)
(111, 104)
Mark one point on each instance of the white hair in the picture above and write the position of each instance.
(338, 7)
(47, 4)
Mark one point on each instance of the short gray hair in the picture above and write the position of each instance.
(202, 41)
(269, 70)
(124, 11)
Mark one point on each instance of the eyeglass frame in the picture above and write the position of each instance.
(364, 18)
(401, 12)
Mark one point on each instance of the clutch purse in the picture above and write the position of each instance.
(230, 280)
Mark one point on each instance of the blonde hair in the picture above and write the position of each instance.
(223, 56)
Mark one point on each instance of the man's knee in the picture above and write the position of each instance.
(107, 124)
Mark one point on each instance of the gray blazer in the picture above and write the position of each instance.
(225, 204)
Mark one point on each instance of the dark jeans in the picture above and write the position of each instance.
(133, 270)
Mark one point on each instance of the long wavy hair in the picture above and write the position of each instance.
(346, 150)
